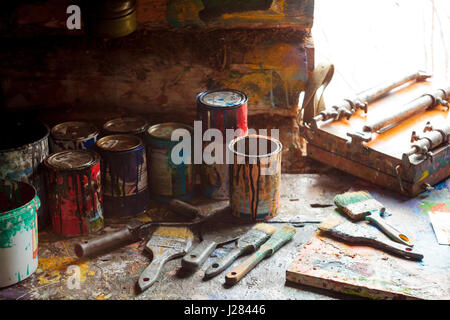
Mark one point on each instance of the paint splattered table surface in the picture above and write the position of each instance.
(61, 275)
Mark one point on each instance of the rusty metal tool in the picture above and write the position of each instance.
(137, 231)
(426, 101)
(347, 107)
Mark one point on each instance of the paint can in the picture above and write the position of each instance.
(124, 175)
(255, 177)
(126, 125)
(169, 178)
(73, 135)
(221, 109)
(19, 204)
(21, 157)
(74, 192)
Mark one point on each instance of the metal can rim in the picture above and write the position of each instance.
(95, 156)
(18, 211)
(156, 126)
(210, 107)
(143, 128)
(278, 150)
(90, 136)
(30, 144)
(139, 140)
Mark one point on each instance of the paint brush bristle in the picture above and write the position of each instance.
(265, 228)
(175, 232)
(357, 204)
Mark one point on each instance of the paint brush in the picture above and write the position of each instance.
(361, 205)
(276, 241)
(165, 244)
(249, 242)
(336, 225)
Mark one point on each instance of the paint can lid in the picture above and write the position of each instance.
(126, 125)
(119, 142)
(164, 130)
(74, 130)
(71, 159)
(222, 98)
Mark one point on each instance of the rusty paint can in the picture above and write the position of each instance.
(255, 177)
(19, 204)
(22, 154)
(73, 135)
(169, 178)
(74, 192)
(124, 175)
(221, 109)
(126, 125)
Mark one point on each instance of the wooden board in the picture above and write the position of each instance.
(327, 263)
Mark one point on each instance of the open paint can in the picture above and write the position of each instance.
(126, 125)
(23, 148)
(255, 177)
(73, 135)
(18, 231)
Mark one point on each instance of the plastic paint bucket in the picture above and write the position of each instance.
(18, 231)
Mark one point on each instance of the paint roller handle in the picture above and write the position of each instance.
(107, 242)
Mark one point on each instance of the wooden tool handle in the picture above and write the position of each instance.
(222, 263)
(105, 243)
(198, 255)
(151, 273)
(241, 270)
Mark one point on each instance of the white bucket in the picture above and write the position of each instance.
(18, 231)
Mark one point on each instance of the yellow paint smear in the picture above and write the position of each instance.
(54, 267)
(175, 232)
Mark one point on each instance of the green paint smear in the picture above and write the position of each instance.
(20, 220)
(426, 206)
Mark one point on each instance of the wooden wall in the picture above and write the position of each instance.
(181, 48)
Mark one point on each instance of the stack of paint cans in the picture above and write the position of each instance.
(19, 204)
(126, 125)
(124, 175)
(73, 135)
(23, 148)
(223, 109)
(74, 192)
(171, 171)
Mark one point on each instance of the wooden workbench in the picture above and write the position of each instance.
(114, 275)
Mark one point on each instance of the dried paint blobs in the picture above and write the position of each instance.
(221, 109)
(255, 177)
(74, 197)
(124, 175)
(168, 179)
(18, 231)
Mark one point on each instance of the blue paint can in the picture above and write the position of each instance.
(73, 135)
(169, 179)
(124, 175)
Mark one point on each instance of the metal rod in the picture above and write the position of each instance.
(416, 106)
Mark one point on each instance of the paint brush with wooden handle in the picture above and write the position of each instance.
(165, 244)
(338, 226)
(275, 242)
(361, 205)
(249, 242)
